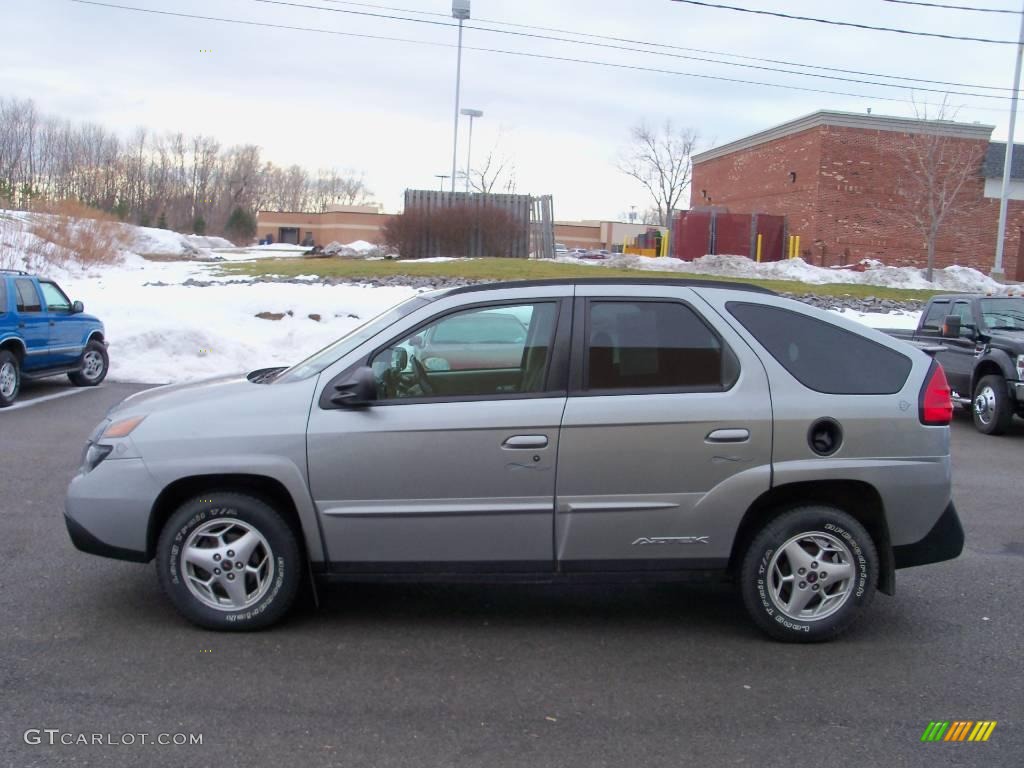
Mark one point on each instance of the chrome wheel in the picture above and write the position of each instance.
(92, 365)
(8, 379)
(227, 564)
(811, 576)
(985, 405)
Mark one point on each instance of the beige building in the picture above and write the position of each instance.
(348, 223)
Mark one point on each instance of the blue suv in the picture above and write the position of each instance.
(43, 333)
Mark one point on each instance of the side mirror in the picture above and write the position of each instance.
(951, 327)
(357, 392)
(399, 358)
(77, 308)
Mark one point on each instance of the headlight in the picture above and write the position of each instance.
(94, 454)
(1020, 367)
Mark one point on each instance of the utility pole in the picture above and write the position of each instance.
(460, 11)
(471, 114)
(997, 269)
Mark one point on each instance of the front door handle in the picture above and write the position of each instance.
(526, 442)
(728, 436)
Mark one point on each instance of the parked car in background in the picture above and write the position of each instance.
(561, 250)
(635, 429)
(43, 333)
(981, 348)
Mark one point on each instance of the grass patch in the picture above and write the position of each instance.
(523, 269)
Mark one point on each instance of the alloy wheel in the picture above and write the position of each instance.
(811, 576)
(227, 564)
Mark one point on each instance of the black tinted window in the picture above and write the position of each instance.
(936, 314)
(28, 296)
(3, 295)
(634, 345)
(823, 356)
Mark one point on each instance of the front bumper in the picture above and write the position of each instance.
(944, 541)
(107, 510)
(1017, 391)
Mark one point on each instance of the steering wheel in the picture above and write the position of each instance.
(421, 376)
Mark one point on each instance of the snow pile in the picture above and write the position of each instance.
(169, 332)
(955, 279)
(208, 242)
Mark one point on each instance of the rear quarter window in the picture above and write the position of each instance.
(823, 356)
(3, 296)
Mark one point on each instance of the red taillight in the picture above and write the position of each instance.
(936, 404)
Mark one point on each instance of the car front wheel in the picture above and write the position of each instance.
(229, 561)
(93, 366)
(993, 411)
(809, 574)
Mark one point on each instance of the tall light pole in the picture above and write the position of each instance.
(442, 177)
(471, 114)
(997, 269)
(460, 11)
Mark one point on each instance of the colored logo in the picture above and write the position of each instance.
(958, 730)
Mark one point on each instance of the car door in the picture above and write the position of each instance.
(66, 329)
(33, 324)
(958, 362)
(666, 436)
(453, 468)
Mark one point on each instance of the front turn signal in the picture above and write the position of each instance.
(122, 428)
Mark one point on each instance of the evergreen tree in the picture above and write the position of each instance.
(241, 225)
(199, 225)
(162, 221)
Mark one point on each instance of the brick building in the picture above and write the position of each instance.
(837, 177)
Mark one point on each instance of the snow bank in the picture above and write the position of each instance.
(956, 278)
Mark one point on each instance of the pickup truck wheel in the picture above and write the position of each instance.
(228, 561)
(809, 574)
(992, 409)
(10, 378)
(94, 364)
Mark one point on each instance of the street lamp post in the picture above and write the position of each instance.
(471, 114)
(442, 177)
(997, 269)
(460, 11)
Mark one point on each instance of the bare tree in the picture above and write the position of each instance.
(659, 158)
(498, 172)
(935, 168)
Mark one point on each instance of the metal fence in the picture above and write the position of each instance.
(431, 200)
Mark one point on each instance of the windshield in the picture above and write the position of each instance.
(314, 364)
(1003, 314)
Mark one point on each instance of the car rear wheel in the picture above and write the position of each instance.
(992, 409)
(94, 366)
(10, 378)
(229, 561)
(809, 574)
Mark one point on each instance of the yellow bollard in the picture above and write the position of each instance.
(759, 249)
(796, 248)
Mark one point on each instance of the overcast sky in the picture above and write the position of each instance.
(384, 108)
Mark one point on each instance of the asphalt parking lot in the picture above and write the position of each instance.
(404, 675)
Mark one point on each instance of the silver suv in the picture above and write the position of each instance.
(642, 430)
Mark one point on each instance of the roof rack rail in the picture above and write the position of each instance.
(14, 272)
(681, 282)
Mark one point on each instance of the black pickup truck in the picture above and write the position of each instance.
(979, 340)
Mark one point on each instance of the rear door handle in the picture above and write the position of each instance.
(728, 436)
(526, 441)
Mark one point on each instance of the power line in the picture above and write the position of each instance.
(524, 54)
(952, 7)
(667, 46)
(793, 17)
(535, 36)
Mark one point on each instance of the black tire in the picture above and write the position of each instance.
(9, 361)
(228, 508)
(998, 414)
(79, 378)
(757, 581)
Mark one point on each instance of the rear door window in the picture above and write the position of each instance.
(635, 346)
(3, 296)
(823, 356)
(28, 296)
